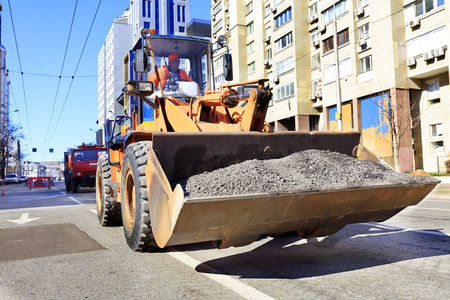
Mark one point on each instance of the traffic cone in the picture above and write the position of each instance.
(3, 192)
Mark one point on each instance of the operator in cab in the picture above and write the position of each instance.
(170, 74)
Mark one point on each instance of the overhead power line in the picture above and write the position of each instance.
(74, 73)
(21, 71)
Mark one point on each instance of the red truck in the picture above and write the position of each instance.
(80, 165)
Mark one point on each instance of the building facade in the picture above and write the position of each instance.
(393, 69)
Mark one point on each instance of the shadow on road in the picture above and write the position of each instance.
(355, 247)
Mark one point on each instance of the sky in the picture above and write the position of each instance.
(53, 81)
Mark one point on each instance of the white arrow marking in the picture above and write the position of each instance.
(23, 219)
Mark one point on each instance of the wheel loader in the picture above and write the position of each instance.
(169, 133)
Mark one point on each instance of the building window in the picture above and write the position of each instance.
(335, 11)
(315, 60)
(313, 9)
(285, 65)
(219, 79)
(146, 24)
(344, 70)
(436, 130)
(268, 31)
(278, 2)
(315, 86)
(181, 29)
(437, 146)
(433, 89)
(426, 42)
(269, 53)
(425, 6)
(250, 28)
(363, 32)
(249, 7)
(362, 3)
(314, 35)
(343, 38)
(285, 91)
(217, 8)
(250, 47)
(251, 67)
(366, 64)
(283, 18)
(267, 11)
(283, 42)
(217, 26)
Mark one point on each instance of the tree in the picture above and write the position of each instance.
(9, 133)
(395, 110)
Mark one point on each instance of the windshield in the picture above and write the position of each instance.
(88, 154)
(11, 176)
(182, 65)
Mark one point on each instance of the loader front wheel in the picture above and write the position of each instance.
(134, 198)
(108, 213)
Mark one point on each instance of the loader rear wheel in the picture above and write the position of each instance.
(108, 213)
(134, 198)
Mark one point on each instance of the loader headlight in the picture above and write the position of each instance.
(139, 88)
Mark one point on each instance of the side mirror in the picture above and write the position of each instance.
(140, 61)
(227, 67)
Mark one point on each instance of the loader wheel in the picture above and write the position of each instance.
(108, 213)
(135, 209)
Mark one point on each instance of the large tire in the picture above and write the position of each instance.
(108, 214)
(134, 198)
(68, 184)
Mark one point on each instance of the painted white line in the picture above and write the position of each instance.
(94, 211)
(440, 209)
(406, 229)
(235, 285)
(75, 200)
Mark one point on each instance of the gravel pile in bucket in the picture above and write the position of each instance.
(305, 171)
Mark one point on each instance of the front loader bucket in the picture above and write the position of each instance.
(240, 220)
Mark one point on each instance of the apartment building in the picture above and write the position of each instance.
(393, 66)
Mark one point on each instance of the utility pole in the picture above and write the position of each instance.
(338, 81)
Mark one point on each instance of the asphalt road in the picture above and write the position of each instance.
(52, 247)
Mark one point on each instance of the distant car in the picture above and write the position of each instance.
(1, 181)
(22, 179)
(12, 178)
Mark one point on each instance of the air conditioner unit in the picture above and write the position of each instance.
(410, 62)
(362, 42)
(439, 52)
(313, 18)
(316, 43)
(227, 8)
(414, 23)
(267, 39)
(359, 11)
(227, 27)
(267, 63)
(312, 97)
(428, 55)
(276, 80)
(213, 17)
(214, 35)
(274, 10)
(322, 28)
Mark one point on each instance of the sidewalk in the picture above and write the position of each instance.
(442, 188)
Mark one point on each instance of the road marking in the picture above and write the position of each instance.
(94, 211)
(235, 285)
(75, 200)
(23, 219)
(440, 209)
(404, 229)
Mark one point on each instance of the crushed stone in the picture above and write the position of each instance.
(305, 171)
